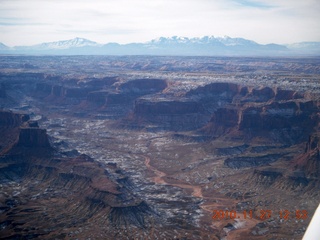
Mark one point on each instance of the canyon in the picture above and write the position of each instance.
(143, 147)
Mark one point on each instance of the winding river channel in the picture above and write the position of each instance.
(242, 224)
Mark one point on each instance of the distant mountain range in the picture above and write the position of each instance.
(183, 46)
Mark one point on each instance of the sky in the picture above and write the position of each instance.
(30, 22)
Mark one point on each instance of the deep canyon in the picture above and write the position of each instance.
(141, 147)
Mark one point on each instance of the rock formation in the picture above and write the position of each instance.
(49, 187)
(309, 161)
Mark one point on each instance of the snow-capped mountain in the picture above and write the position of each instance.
(199, 46)
(210, 45)
(66, 44)
(226, 41)
(3, 47)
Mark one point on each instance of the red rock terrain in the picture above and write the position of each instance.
(47, 196)
(175, 140)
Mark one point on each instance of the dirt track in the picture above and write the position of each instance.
(244, 225)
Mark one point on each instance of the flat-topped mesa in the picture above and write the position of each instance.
(126, 92)
(9, 128)
(255, 112)
(220, 92)
(171, 114)
(143, 86)
(289, 121)
(269, 116)
(72, 88)
(226, 92)
(31, 136)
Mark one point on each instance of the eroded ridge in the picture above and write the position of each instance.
(159, 147)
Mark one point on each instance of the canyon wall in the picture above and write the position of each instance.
(275, 114)
(49, 186)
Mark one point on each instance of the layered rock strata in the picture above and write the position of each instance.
(42, 192)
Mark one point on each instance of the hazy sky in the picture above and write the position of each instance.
(27, 22)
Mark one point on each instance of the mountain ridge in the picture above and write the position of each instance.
(196, 46)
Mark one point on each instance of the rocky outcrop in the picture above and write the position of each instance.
(216, 95)
(232, 150)
(9, 128)
(192, 111)
(58, 194)
(267, 176)
(270, 116)
(276, 114)
(289, 122)
(309, 161)
(33, 137)
(9, 119)
(81, 192)
(17, 129)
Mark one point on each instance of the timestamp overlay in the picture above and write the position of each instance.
(262, 214)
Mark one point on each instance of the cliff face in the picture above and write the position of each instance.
(98, 92)
(33, 137)
(9, 127)
(286, 121)
(174, 114)
(9, 119)
(144, 86)
(222, 121)
(187, 113)
(97, 97)
(56, 191)
(27, 134)
(309, 161)
(71, 88)
(276, 114)
(149, 107)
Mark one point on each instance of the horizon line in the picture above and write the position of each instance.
(144, 42)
